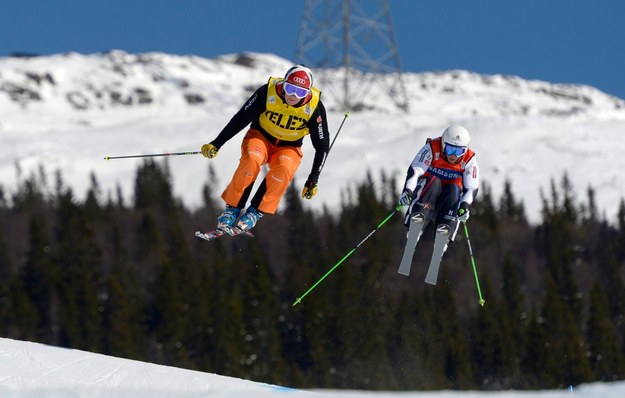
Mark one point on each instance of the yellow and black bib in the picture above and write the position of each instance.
(284, 122)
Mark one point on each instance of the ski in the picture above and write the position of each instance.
(440, 244)
(417, 222)
(218, 233)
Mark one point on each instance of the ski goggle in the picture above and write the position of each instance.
(453, 150)
(297, 91)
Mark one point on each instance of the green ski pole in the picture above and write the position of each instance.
(299, 299)
(477, 281)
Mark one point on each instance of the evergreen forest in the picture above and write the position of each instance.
(128, 278)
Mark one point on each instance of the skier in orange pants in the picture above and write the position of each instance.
(281, 112)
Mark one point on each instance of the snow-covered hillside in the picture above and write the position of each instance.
(69, 111)
(36, 370)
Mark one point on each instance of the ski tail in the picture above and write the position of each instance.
(440, 245)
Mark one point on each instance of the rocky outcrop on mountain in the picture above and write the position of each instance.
(117, 79)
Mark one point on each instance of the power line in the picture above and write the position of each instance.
(351, 44)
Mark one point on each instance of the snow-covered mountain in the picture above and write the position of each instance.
(69, 111)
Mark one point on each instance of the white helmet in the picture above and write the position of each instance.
(456, 135)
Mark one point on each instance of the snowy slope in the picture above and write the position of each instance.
(36, 370)
(68, 111)
(31, 369)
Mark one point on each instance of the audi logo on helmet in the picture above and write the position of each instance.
(299, 80)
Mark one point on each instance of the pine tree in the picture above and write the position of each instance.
(40, 277)
(229, 330)
(592, 216)
(163, 297)
(514, 315)
(17, 313)
(490, 343)
(558, 240)
(358, 291)
(122, 308)
(539, 361)
(30, 193)
(406, 339)
(508, 206)
(304, 329)
(81, 284)
(566, 344)
(6, 269)
(260, 348)
(183, 273)
(24, 316)
(606, 358)
(445, 350)
(620, 223)
(485, 210)
(153, 187)
(93, 208)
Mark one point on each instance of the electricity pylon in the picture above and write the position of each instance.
(351, 45)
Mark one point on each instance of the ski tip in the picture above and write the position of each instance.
(207, 236)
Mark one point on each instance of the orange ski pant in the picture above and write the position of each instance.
(257, 151)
